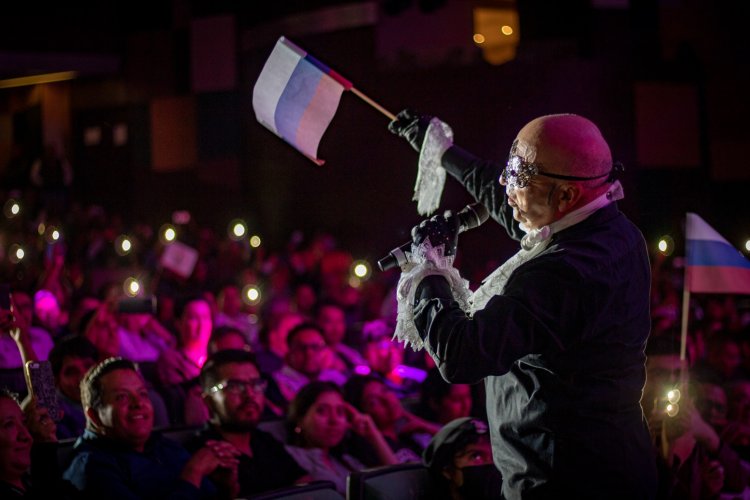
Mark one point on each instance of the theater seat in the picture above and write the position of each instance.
(390, 482)
(316, 490)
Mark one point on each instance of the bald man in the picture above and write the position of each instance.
(557, 333)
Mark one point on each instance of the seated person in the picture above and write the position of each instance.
(233, 392)
(459, 460)
(71, 358)
(405, 433)
(273, 340)
(227, 337)
(442, 402)
(308, 359)
(319, 421)
(177, 369)
(332, 321)
(231, 313)
(118, 456)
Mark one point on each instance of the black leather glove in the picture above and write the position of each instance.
(440, 229)
(411, 126)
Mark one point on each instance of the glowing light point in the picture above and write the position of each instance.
(673, 396)
(237, 229)
(16, 253)
(360, 270)
(478, 38)
(251, 294)
(255, 241)
(132, 287)
(747, 245)
(11, 208)
(506, 30)
(55, 235)
(15, 208)
(665, 245)
(167, 233)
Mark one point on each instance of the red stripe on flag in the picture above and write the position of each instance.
(718, 279)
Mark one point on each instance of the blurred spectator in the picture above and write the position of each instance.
(233, 391)
(723, 360)
(231, 313)
(319, 420)
(225, 338)
(385, 358)
(273, 338)
(405, 433)
(118, 456)
(459, 459)
(332, 321)
(48, 314)
(442, 402)
(308, 359)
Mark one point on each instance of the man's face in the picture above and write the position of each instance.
(231, 302)
(70, 376)
(381, 404)
(534, 205)
(306, 352)
(238, 409)
(331, 320)
(383, 356)
(126, 414)
(712, 405)
(196, 323)
(15, 440)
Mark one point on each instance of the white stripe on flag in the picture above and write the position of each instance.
(272, 82)
(698, 229)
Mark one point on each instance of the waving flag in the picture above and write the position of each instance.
(713, 265)
(296, 97)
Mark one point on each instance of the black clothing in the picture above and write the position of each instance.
(561, 352)
(44, 480)
(269, 468)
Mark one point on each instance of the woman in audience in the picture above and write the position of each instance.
(442, 402)
(320, 442)
(405, 433)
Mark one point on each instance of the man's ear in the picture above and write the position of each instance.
(93, 416)
(210, 403)
(568, 197)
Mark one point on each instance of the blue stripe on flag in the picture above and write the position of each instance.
(295, 99)
(714, 253)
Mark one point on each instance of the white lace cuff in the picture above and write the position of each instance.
(425, 261)
(430, 174)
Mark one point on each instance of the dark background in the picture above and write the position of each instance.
(666, 81)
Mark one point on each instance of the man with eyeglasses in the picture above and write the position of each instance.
(233, 392)
(308, 358)
(558, 331)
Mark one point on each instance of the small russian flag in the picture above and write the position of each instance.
(296, 97)
(713, 264)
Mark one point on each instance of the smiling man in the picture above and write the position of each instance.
(119, 457)
(233, 392)
(558, 331)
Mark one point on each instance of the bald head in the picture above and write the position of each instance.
(564, 144)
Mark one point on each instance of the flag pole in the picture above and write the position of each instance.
(685, 315)
(372, 103)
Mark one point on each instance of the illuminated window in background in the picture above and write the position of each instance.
(496, 33)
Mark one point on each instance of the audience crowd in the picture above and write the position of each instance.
(191, 387)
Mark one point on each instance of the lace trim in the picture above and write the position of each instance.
(430, 174)
(425, 260)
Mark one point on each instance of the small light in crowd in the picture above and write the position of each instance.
(478, 38)
(41, 228)
(673, 409)
(361, 269)
(355, 282)
(55, 235)
(237, 229)
(52, 234)
(251, 294)
(673, 396)
(16, 253)
(123, 245)
(11, 208)
(666, 245)
(255, 241)
(747, 245)
(167, 233)
(506, 30)
(132, 287)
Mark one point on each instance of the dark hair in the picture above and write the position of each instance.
(7, 393)
(74, 346)
(210, 372)
(91, 385)
(355, 387)
(182, 303)
(307, 325)
(328, 303)
(303, 401)
(220, 332)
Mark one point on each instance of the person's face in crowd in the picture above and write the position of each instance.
(230, 301)
(306, 352)
(126, 414)
(196, 323)
(70, 376)
(230, 340)
(331, 319)
(325, 423)
(455, 404)
(134, 322)
(15, 440)
(47, 310)
(383, 356)
(662, 375)
(725, 359)
(305, 298)
(472, 455)
(712, 405)
(381, 404)
(22, 305)
(239, 404)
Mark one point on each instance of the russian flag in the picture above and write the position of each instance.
(713, 265)
(296, 97)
